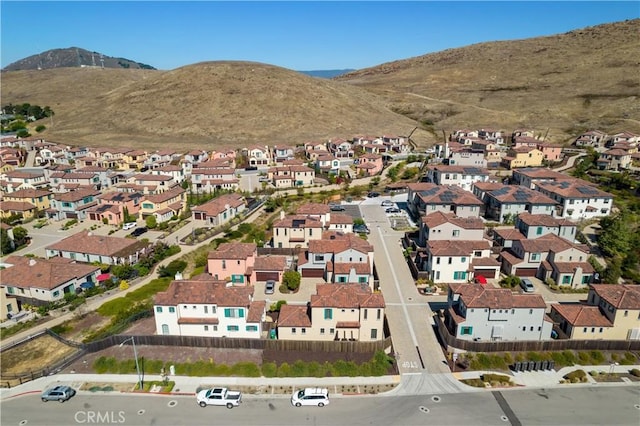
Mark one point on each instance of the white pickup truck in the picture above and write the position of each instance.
(219, 396)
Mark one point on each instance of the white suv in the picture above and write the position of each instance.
(310, 396)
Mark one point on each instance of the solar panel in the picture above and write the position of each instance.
(587, 190)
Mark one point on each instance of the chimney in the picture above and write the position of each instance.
(32, 262)
(281, 214)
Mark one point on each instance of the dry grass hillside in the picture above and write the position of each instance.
(561, 84)
(558, 85)
(202, 105)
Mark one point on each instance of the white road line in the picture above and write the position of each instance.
(395, 280)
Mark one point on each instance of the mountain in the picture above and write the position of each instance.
(208, 104)
(326, 73)
(73, 57)
(559, 85)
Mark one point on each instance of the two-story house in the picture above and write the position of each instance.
(335, 312)
(87, 247)
(282, 153)
(257, 156)
(114, 206)
(233, 262)
(220, 210)
(164, 205)
(450, 261)
(39, 198)
(536, 225)
(578, 199)
(512, 200)
(19, 179)
(462, 176)
(593, 138)
(523, 157)
(447, 226)
(614, 159)
(477, 312)
(425, 198)
(296, 231)
(369, 164)
(529, 177)
(206, 307)
(73, 204)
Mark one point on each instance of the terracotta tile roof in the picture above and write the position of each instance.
(456, 247)
(149, 177)
(546, 243)
(509, 234)
(211, 292)
(337, 242)
(345, 268)
(240, 251)
(103, 208)
(86, 242)
(620, 296)
(510, 257)
(256, 311)
(575, 188)
(166, 195)
(270, 263)
(219, 205)
(340, 218)
(478, 296)
(541, 173)
(16, 206)
(298, 221)
(348, 324)
(444, 194)
(169, 168)
(484, 261)
(313, 209)
(353, 296)
(438, 218)
(488, 186)
(581, 315)
(519, 195)
(120, 197)
(293, 316)
(543, 220)
(28, 193)
(22, 175)
(465, 170)
(203, 321)
(569, 267)
(76, 195)
(43, 273)
(458, 319)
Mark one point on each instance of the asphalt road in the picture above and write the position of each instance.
(566, 406)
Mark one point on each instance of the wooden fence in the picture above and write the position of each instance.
(449, 341)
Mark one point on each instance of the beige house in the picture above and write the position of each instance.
(296, 230)
(523, 157)
(8, 306)
(336, 312)
(164, 205)
(442, 226)
(612, 312)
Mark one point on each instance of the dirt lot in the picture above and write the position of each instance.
(34, 355)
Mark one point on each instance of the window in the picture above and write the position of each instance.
(450, 260)
(593, 329)
(224, 264)
(531, 328)
(362, 279)
(206, 328)
(172, 310)
(456, 232)
(477, 253)
(322, 330)
(147, 205)
(539, 230)
(365, 313)
(213, 309)
(374, 333)
(459, 275)
(252, 328)
(535, 257)
(293, 330)
(566, 279)
(328, 313)
(332, 330)
(56, 293)
(232, 328)
(234, 313)
(524, 328)
(539, 328)
(303, 330)
(626, 313)
(464, 259)
(466, 331)
(319, 257)
(600, 329)
(584, 330)
(530, 311)
(10, 290)
(206, 309)
(437, 260)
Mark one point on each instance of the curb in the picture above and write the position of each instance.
(23, 394)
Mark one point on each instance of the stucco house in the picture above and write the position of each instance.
(296, 231)
(515, 199)
(233, 262)
(453, 261)
(335, 312)
(208, 308)
(425, 198)
(477, 312)
(87, 247)
(523, 157)
(220, 210)
(462, 176)
(447, 226)
(577, 199)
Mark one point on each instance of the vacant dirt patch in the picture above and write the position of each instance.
(34, 355)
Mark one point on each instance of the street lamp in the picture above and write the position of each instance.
(135, 354)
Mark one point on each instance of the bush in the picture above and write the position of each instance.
(495, 378)
(575, 376)
(292, 280)
(635, 372)
(476, 383)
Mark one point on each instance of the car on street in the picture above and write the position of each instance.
(393, 210)
(58, 393)
(269, 287)
(373, 194)
(387, 203)
(361, 229)
(138, 231)
(310, 396)
(219, 396)
(527, 285)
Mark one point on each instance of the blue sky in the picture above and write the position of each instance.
(294, 35)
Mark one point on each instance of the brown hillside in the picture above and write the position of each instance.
(211, 103)
(565, 83)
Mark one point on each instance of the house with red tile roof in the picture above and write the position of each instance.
(369, 164)
(424, 198)
(210, 179)
(220, 210)
(206, 307)
(335, 312)
(611, 312)
(450, 261)
(594, 138)
(462, 176)
(269, 267)
(296, 231)
(87, 247)
(577, 198)
(17, 208)
(40, 198)
(37, 281)
(164, 205)
(530, 176)
(614, 159)
(515, 199)
(258, 156)
(18, 179)
(233, 262)
(536, 225)
(484, 313)
(523, 156)
(73, 204)
(447, 226)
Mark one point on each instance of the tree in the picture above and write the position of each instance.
(510, 281)
(20, 236)
(172, 268)
(41, 128)
(6, 243)
(291, 279)
(151, 222)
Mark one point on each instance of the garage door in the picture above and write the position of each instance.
(487, 273)
(526, 272)
(313, 273)
(264, 276)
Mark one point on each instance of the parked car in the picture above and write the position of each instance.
(336, 207)
(361, 229)
(138, 231)
(129, 225)
(269, 287)
(387, 203)
(373, 194)
(310, 396)
(58, 393)
(527, 285)
(219, 396)
(393, 210)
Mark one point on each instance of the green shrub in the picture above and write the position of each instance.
(284, 370)
(635, 372)
(495, 378)
(245, 369)
(575, 376)
(269, 369)
(584, 357)
(476, 383)
(629, 359)
(597, 357)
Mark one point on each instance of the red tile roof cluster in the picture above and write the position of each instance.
(294, 316)
(619, 296)
(313, 209)
(478, 296)
(337, 242)
(438, 218)
(220, 204)
(543, 220)
(581, 315)
(212, 292)
(270, 263)
(240, 251)
(351, 296)
(88, 243)
(43, 273)
(456, 247)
